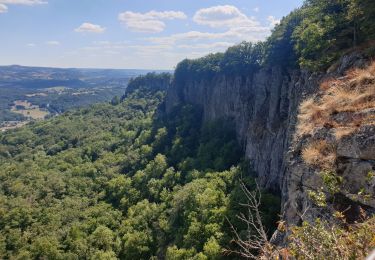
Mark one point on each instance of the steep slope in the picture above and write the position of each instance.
(264, 108)
(260, 87)
(113, 181)
(332, 157)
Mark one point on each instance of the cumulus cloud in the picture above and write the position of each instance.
(230, 24)
(256, 9)
(233, 34)
(91, 28)
(4, 3)
(3, 8)
(237, 25)
(224, 16)
(53, 43)
(30, 45)
(150, 22)
(209, 46)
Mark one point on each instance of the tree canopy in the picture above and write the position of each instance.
(311, 37)
(117, 181)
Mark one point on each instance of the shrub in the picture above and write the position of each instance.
(322, 240)
(320, 154)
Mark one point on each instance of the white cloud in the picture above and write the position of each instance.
(101, 42)
(273, 21)
(109, 52)
(237, 34)
(150, 22)
(256, 9)
(227, 16)
(30, 45)
(91, 28)
(53, 43)
(209, 46)
(107, 47)
(166, 15)
(3, 8)
(147, 51)
(4, 3)
(191, 35)
(23, 2)
(237, 25)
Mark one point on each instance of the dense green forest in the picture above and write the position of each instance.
(122, 180)
(55, 102)
(117, 181)
(57, 90)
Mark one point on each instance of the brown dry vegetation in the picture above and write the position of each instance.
(343, 104)
(319, 153)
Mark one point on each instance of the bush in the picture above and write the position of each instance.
(322, 240)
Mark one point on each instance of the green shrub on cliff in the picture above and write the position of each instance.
(242, 59)
(323, 240)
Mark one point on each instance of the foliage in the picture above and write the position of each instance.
(331, 27)
(322, 240)
(204, 68)
(151, 81)
(280, 45)
(311, 37)
(118, 181)
(240, 59)
(243, 58)
(253, 242)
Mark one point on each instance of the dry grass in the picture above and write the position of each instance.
(328, 83)
(34, 113)
(29, 110)
(320, 154)
(341, 104)
(341, 132)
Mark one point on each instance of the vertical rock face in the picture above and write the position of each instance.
(264, 107)
(339, 131)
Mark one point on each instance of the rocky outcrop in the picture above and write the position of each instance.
(337, 126)
(263, 107)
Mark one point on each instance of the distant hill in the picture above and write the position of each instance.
(45, 77)
(58, 89)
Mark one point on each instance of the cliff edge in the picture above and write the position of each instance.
(264, 108)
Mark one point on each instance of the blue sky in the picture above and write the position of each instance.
(148, 34)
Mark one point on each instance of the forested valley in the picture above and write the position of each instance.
(117, 180)
(127, 180)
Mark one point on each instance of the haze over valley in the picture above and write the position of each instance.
(35, 93)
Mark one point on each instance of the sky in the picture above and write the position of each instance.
(130, 34)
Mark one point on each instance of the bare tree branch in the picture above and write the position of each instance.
(255, 244)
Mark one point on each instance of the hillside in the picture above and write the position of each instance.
(265, 151)
(270, 92)
(51, 91)
(116, 181)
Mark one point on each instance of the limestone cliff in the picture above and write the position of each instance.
(264, 107)
(332, 155)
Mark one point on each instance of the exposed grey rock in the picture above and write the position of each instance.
(361, 145)
(264, 108)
